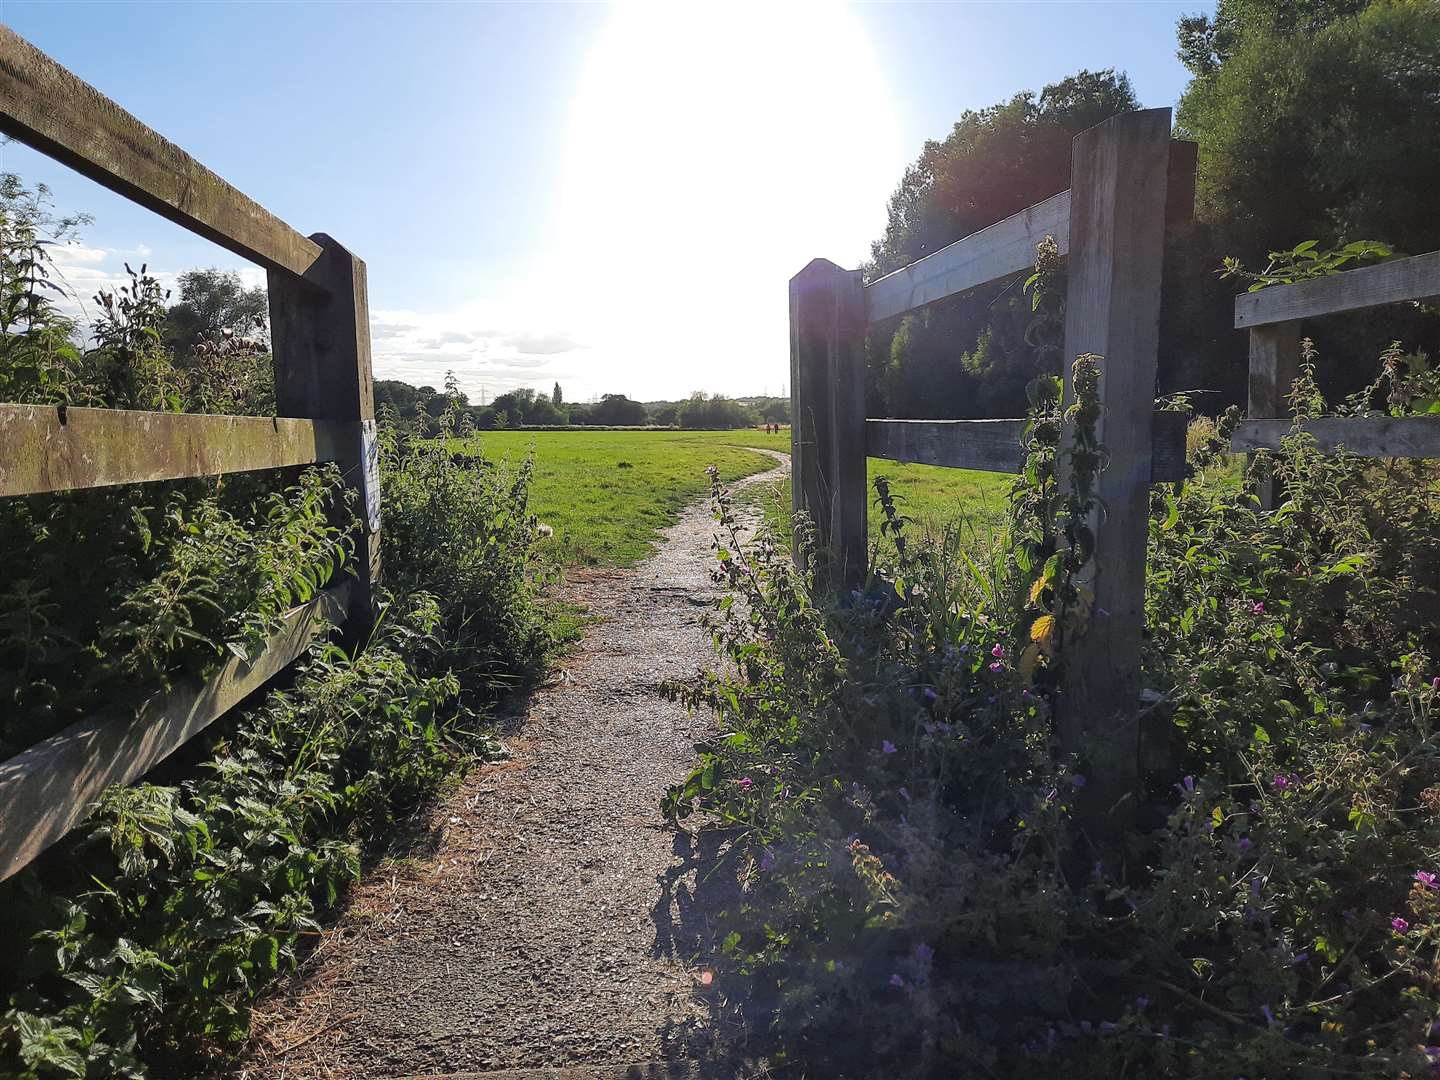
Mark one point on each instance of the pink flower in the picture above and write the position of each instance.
(896, 980)
(706, 978)
(1435, 683)
(998, 651)
(887, 747)
(1258, 608)
(745, 783)
(1280, 783)
(996, 666)
(1399, 924)
(1424, 877)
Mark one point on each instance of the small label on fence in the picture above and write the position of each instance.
(370, 451)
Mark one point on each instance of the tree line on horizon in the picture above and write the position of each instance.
(526, 407)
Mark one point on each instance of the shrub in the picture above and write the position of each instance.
(916, 897)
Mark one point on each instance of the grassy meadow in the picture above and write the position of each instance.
(608, 494)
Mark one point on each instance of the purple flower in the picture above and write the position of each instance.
(896, 980)
(1051, 796)
(767, 861)
(1078, 780)
(1300, 958)
(1258, 608)
(1255, 886)
(998, 651)
(1244, 844)
(905, 794)
(1269, 1015)
(1364, 729)
(1435, 683)
(1102, 612)
(924, 953)
(745, 783)
(1424, 877)
(1189, 783)
(886, 746)
(1280, 783)
(930, 694)
(1399, 924)
(1432, 1051)
(996, 666)
(1142, 1003)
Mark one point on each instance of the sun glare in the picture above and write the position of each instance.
(712, 151)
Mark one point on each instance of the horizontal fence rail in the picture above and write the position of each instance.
(1415, 278)
(57, 448)
(1365, 436)
(47, 790)
(997, 252)
(994, 445)
(46, 107)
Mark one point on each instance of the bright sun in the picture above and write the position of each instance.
(712, 152)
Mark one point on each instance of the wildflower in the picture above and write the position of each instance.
(1435, 683)
(745, 783)
(896, 980)
(1364, 729)
(996, 666)
(930, 694)
(998, 651)
(924, 953)
(1078, 780)
(767, 861)
(1258, 608)
(706, 978)
(1280, 783)
(1399, 924)
(1142, 1003)
(905, 794)
(886, 746)
(1300, 958)
(1244, 844)
(1051, 797)
(1268, 1013)
(1426, 878)
(1255, 886)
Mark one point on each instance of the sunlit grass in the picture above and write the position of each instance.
(607, 514)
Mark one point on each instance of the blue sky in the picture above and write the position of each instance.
(609, 196)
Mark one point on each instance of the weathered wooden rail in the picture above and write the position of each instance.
(320, 336)
(1129, 180)
(1273, 316)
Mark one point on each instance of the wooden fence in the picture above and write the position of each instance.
(320, 334)
(1129, 180)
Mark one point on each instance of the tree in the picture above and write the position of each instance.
(715, 411)
(215, 304)
(994, 163)
(616, 410)
(1316, 121)
(556, 398)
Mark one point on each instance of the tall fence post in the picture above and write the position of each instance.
(827, 409)
(1117, 238)
(1274, 367)
(320, 338)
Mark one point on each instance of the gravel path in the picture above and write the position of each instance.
(551, 917)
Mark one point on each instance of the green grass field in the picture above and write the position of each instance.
(606, 514)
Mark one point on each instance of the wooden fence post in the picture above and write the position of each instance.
(320, 338)
(1274, 367)
(1117, 237)
(827, 407)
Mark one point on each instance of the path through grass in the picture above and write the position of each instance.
(608, 494)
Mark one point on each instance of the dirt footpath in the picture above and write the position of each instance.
(552, 918)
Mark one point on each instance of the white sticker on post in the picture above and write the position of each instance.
(370, 452)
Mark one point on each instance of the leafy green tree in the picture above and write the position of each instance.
(1316, 121)
(215, 304)
(995, 162)
(556, 397)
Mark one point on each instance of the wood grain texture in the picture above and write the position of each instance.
(1003, 249)
(1365, 436)
(1274, 367)
(48, 789)
(994, 445)
(827, 400)
(320, 339)
(48, 448)
(44, 106)
(1415, 278)
(1120, 176)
